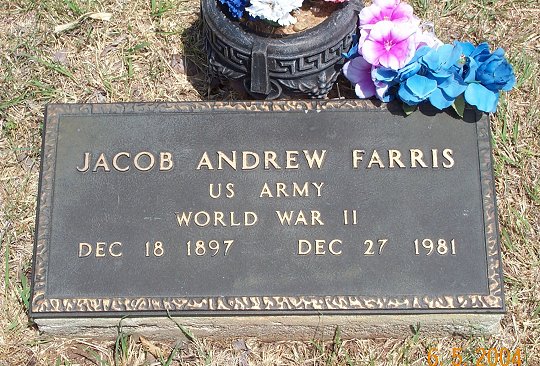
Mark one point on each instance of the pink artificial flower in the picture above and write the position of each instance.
(358, 71)
(392, 10)
(390, 44)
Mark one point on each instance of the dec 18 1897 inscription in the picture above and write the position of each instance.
(263, 208)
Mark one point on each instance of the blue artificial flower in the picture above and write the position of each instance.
(416, 89)
(434, 77)
(495, 73)
(440, 75)
(236, 7)
(486, 74)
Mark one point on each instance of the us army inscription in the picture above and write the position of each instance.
(264, 208)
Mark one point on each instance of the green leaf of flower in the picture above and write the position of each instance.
(408, 109)
(459, 105)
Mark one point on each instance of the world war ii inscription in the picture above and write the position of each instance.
(263, 207)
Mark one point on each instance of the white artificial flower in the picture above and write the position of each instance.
(274, 10)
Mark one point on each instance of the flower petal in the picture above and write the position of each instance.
(453, 87)
(402, 31)
(364, 33)
(427, 38)
(380, 31)
(416, 89)
(372, 51)
(365, 89)
(274, 10)
(510, 82)
(370, 15)
(353, 51)
(481, 97)
(421, 52)
(403, 12)
(357, 70)
(431, 59)
(440, 100)
(409, 70)
(389, 59)
(383, 74)
(481, 52)
(466, 47)
(407, 96)
(454, 56)
(421, 86)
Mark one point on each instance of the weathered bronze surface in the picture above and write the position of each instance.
(263, 208)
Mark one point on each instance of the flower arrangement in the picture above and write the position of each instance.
(399, 57)
(273, 11)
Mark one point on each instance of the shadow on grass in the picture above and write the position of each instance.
(197, 71)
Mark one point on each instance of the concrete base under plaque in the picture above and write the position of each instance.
(272, 328)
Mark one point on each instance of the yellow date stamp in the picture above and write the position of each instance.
(482, 357)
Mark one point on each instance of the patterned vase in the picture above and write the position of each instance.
(306, 63)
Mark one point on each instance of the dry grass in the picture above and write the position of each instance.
(142, 54)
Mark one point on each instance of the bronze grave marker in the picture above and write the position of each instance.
(263, 208)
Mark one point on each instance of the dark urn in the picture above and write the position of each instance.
(305, 63)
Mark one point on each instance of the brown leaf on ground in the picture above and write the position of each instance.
(151, 348)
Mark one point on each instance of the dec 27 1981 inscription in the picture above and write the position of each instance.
(261, 208)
